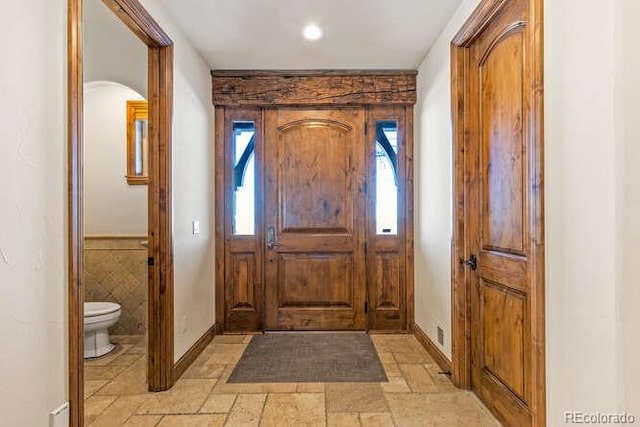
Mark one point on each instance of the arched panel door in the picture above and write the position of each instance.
(314, 219)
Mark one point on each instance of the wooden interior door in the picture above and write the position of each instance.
(314, 219)
(503, 193)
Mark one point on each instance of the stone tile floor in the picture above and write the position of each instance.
(416, 394)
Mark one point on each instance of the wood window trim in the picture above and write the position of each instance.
(461, 346)
(160, 361)
(136, 110)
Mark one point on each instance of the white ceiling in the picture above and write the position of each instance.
(266, 34)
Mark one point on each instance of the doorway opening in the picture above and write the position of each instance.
(160, 363)
(314, 192)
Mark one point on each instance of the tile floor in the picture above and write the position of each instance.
(416, 394)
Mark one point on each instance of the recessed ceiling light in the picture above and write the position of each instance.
(312, 32)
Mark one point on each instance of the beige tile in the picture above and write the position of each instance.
(376, 419)
(395, 385)
(229, 339)
(441, 380)
(185, 397)
(247, 410)
(342, 419)
(132, 381)
(386, 356)
(91, 386)
(310, 388)
(386, 343)
(438, 409)
(204, 367)
(201, 420)
(410, 357)
(225, 354)
(355, 397)
(119, 411)
(294, 409)
(102, 372)
(109, 358)
(143, 420)
(218, 403)
(247, 339)
(418, 378)
(126, 360)
(391, 369)
(249, 388)
(96, 405)
(138, 349)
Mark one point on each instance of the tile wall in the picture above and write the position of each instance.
(116, 271)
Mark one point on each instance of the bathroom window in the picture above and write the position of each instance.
(244, 182)
(386, 178)
(137, 142)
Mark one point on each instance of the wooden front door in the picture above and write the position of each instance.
(501, 213)
(314, 219)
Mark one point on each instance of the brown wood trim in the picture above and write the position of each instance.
(160, 342)
(460, 343)
(538, 331)
(75, 242)
(299, 73)
(160, 317)
(479, 19)
(136, 17)
(274, 88)
(194, 351)
(115, 237)
(461, 361)
(433, 350)
(409, 220)
(219, 215)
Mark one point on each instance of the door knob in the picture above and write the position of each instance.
(471, 262)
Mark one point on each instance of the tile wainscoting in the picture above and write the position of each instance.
(116, 271)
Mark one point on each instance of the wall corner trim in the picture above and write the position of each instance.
(194, 351)
(432, 349)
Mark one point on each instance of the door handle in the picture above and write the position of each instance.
(271, 237)
(471, 262)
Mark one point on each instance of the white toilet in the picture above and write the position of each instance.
(98, 318)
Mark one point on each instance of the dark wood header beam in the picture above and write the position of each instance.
(313, 87)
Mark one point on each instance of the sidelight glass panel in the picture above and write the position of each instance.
(244, 182)
(386, 178)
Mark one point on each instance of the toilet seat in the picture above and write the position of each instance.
(92, 309)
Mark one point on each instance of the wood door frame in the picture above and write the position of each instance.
(160, 287)
(311, 89)
(460, 283)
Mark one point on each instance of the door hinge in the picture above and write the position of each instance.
(366, 307)
(150, 261)
(366, 128)
(366, 247)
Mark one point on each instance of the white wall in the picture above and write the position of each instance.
(193, 180)
(112, 206)
(33, 360)
(580, 175)
(627, 93)
(433, 197)
(592, 201)
(111, 51)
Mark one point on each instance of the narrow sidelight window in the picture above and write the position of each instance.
(244, 182)
(386, 178)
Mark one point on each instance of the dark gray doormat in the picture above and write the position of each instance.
(309, 357)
